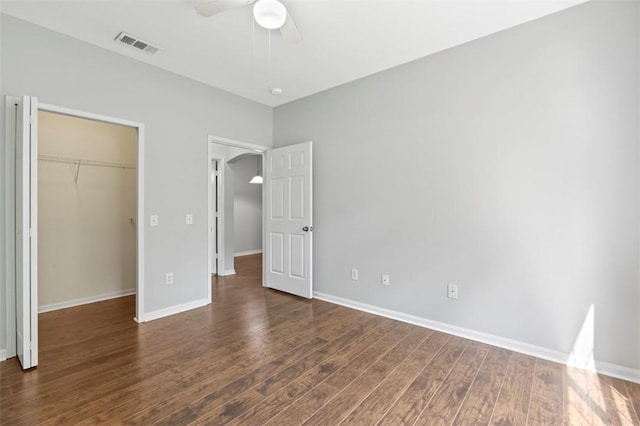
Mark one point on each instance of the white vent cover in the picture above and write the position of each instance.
(137, 43)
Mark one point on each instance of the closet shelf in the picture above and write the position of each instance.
(84, 162)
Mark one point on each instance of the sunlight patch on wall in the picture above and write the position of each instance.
(583, 347)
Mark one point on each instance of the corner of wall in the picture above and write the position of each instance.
(608, 369)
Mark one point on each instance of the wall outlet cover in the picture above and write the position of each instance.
(452, 291)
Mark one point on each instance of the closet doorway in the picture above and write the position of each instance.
(86, 211)
(22, 216)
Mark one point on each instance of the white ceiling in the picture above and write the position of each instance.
(343, 40)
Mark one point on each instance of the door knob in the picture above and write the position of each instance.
(305, 229)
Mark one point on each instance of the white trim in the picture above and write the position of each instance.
(140, 265)
(88, 115)
(228, 272)
(3, 354)
(247, 253)
(264, 224)
(172, 310)
(621, 372)
(209, 224)
(85, 300)
(238, 144)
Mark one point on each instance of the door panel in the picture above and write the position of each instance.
(277, 253)
(277, 199)
(288, 180)
(26, 232)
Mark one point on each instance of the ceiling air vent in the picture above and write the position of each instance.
(135, 42)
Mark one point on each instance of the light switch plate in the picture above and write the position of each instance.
(189, 219)
(153, 220)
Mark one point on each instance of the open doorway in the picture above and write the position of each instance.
(23, 159)
(287, 218)
(246, 181)
(86, 211)
(235, 208)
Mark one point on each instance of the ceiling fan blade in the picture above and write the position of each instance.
(210, 8)
(290, 31)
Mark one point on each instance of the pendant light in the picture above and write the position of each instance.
(270, 14)
(257, 179)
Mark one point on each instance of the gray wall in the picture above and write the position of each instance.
(247, 204)
(178, 114)
(507, 166)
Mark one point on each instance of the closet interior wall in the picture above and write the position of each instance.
(86, 210)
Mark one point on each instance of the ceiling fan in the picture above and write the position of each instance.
(269, 14)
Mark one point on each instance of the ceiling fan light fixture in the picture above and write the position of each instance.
(269, 14)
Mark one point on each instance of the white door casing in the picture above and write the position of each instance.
(289, 221)
(26, 232)
(213, 220)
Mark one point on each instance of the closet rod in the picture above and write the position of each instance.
(83, 162)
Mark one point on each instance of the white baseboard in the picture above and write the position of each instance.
(228, 272)
(3, 354)
(613, 370)
(247, 253)
(172, 310)
(85, 300)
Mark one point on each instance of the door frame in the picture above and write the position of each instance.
(213, 224)
(9, 224)
(213, 141)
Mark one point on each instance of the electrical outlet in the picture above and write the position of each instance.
(452, 291)
(168, 278)
(354, 274)
(385, 279)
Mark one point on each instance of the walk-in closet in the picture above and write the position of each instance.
(86, 211)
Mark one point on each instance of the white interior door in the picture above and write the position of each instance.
(289, 224)
(26, 232)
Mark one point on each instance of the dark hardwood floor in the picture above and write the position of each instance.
(257, 356)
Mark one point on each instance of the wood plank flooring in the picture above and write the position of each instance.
(257, 356)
